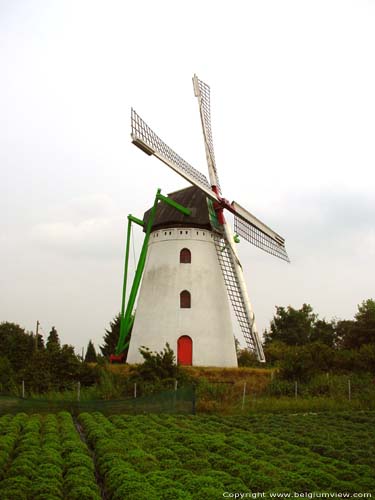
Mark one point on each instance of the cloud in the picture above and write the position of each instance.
(87, 226)
(326, 223)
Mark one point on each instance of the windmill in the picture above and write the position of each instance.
(203, 336)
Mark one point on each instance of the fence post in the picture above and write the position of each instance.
(194, 401)
(135, 389)
(349, 390)
(295, 389)
(23, 389)
(174, 398)
(243, 395)
(329, 385)
(78, 391)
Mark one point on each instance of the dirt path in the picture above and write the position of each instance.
(98, 477)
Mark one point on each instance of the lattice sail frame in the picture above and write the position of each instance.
(146, 139)
(259, 239)
(247, 325)
(203, 93)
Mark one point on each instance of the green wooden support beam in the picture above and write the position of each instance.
(174, 204)
(135, 220)
(127, 316)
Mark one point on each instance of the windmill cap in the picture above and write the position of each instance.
(167, 216)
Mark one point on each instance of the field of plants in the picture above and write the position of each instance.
(44, 458)
(165, 457)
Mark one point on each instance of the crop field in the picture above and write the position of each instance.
(164, 457)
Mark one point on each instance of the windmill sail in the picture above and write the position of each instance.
(202, 91)
(246, 323)
(256, 232)
(256, 237)
(146, 139)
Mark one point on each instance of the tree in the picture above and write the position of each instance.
(36, 372)
(324, 332)
(53, 341)
(7, 383)
(111, 337)
(16, 344)
(64, 367)
(292, 326)
(275, 351)
(302, 362)
(365, 323)
(361, 331)
(247, 358)
(343, 332)
(90, 353)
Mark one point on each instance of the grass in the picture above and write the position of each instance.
(304, 405)
(85, 394)
(221, 390)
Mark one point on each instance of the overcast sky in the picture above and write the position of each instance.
(293, 118)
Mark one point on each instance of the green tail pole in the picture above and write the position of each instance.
(122, 322)
(123, 331)
(127, 319)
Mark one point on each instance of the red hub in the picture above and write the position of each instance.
(220, 205)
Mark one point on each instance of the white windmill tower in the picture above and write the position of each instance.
(192, 265)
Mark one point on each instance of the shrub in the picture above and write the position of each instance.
(175, 493)
(82, 492)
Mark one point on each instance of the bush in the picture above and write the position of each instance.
(303, 362)
(158, 365)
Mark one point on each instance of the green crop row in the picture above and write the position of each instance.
(20, 473)
(272, 461)
(240, 456)
(79, 469)
(46, 461)
(326, 438)
(116, 459)
(171, 457)
(10, 429)
(346, 437)
(275, 460)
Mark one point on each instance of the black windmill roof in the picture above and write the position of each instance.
(167, 216)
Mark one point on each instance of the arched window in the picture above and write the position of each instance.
(185, 300)
(185, 256)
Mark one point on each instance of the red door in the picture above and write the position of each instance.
(184, 350)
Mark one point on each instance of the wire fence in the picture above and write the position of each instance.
(323, 393)
(181, 400)
(320, 394)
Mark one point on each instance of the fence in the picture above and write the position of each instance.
(319, 394)
(180, 400)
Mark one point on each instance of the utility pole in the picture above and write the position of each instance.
(36, 335)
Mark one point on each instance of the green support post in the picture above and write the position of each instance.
(131, 219)
(174, 204)
(127, 318)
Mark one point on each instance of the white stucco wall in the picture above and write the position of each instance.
(159, 318)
